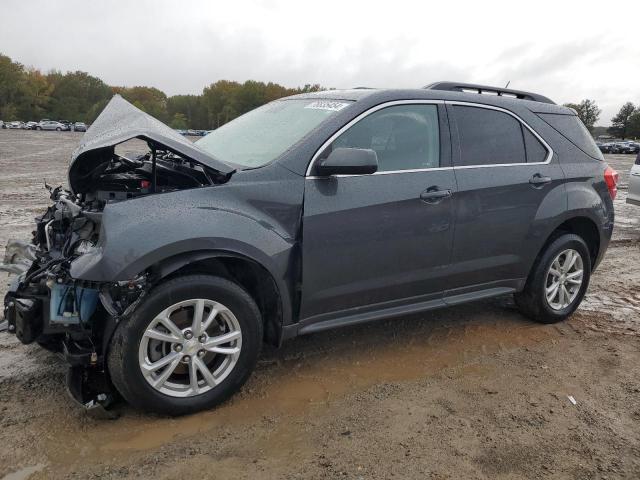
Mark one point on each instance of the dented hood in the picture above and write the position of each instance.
(120, 121)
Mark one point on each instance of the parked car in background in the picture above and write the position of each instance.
(2, 125)
(51, 125)
(311, 212)
(633, 195)
(16, 125)
(634, 147)
(624, 147)
(30, 125)
(79, 127)
(604, 147)
(67, 124)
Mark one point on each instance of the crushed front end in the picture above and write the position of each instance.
(52, 300)
(45, 304)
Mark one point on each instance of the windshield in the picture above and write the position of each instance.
(262, 135)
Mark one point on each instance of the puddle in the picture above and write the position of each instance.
(24, 473)
(311, 372)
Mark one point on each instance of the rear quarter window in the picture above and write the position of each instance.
(572, 128)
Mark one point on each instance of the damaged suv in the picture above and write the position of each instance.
(160, 276)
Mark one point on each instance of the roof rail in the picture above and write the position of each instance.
(501, 92)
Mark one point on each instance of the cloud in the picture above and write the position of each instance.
(559, 49)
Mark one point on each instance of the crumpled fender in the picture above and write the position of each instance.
(143, 232)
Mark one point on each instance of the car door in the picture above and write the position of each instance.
(504, 171)
(382, 239)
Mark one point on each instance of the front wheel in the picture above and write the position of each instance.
(558, 281)
(189, 345)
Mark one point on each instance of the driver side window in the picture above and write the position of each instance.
(405, 137)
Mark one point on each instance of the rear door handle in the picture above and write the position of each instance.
(539, 181)
(434, 195)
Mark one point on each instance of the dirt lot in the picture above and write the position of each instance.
(475, 391)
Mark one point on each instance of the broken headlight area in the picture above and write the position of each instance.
(66, 312)
(45, 304)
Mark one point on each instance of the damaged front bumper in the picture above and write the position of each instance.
(68, 316)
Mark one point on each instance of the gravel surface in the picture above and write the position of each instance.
(475, 391)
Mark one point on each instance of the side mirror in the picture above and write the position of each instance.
(348, 161)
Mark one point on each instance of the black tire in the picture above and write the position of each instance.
(38, 128)
(532, 301)
(123, 353)
(58, 129)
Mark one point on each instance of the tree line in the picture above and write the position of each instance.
(29, 94)
(625, 124)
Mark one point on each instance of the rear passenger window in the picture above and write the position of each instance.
(405, 137)
(536, 152)
(488, 137)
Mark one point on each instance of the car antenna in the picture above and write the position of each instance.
(507, 85)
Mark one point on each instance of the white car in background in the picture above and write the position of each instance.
(634, 183)
(51, 125)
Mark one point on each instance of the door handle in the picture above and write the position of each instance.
(538, 180)
(433, 195)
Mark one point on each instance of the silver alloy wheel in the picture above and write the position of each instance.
(190, 347)
(564, 279)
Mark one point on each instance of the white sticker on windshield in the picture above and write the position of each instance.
(327, 105)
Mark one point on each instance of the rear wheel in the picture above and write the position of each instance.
(191, 344)
(558, 281)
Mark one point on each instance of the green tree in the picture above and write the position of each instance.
(219, 99)
(179, 121)
(588, 112)
(11, 87)
(621, 122)
(37, 95)
(192, 107)
(634, 124)
(148, 99)
(74, 94)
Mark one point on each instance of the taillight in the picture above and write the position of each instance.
(611, 178)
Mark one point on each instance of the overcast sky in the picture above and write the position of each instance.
(565, 50)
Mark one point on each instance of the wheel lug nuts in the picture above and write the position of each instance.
(188, 335)
(186, 358)
(202, 338)
(178, 348)
(201, 353)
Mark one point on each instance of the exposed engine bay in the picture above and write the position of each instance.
(46, 304)
(120, 177)
(75, 317)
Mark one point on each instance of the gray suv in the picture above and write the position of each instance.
(160, 276)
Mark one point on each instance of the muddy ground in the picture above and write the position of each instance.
(475, 391)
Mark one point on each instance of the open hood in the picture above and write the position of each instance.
(121, 121)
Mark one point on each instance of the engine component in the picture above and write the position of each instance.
(70, 305)
(24, 318)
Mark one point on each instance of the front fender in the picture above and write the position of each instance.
(138, 234)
